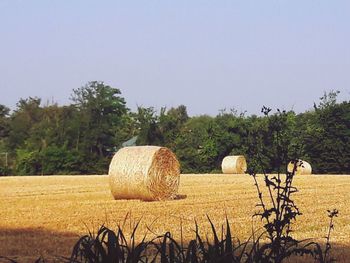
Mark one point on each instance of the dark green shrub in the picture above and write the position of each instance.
(28, 162)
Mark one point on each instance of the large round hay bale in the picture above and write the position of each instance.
(144, 172)
(235, 164)
(302, 167)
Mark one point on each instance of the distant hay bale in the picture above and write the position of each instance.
(144, 172)
(302, 167)
(235, 164)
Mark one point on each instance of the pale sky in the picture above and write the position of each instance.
(207, 55)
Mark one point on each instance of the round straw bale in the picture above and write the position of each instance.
(302, 167)
(144, 172)
(235, 164)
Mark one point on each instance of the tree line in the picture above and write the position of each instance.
(82, 137)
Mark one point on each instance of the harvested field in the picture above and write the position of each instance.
(46, 215)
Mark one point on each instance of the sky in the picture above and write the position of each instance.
(207, 55)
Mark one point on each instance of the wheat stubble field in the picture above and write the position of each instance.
(46, 215)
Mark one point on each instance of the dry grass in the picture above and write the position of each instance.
(46, 215)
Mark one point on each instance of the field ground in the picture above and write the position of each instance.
(46, 215)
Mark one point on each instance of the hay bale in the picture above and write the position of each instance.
(302, 167)
(144, 172)
(235, 164)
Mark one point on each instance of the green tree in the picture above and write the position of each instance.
(60, 160)
(4, 133)
(328, 99)
(327, 138)
(231, 132)
(195, 145)
(4, 121)
(27, 113)
(270, 134)
(28, 162)
(171, 123)
(146, 121)
(100, 113)
(160, 130)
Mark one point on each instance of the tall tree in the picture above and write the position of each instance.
(26, 115)
(147, 123)
(171, 123)
(327, 138)
(101, 110)
(196, 144)
(4, 133)
(4, 122)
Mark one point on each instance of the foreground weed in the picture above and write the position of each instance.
(278, 210)
(108, 246)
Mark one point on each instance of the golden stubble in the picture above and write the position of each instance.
(46, 215)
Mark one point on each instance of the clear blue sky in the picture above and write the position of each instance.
(208, 55)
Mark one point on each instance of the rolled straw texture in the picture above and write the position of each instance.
(302, 167)
(235, 164)
(144, 172)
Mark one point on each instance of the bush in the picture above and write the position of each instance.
(57, 160)
(28, 162)
(4, 170)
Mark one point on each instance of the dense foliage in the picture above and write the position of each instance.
(80, 138)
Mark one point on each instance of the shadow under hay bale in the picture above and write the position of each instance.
(235, 164)
(148, 173)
